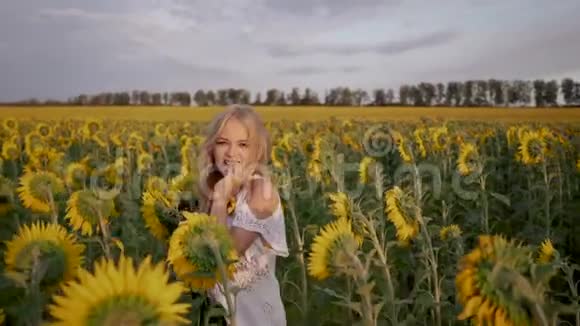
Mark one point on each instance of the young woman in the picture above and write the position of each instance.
(233, 166)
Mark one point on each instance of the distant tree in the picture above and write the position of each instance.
(540, 92)
(200, 98)
(440, 94)
(390, 96)
(568, 90)
(380, 97)
(551, 93)
(404, 94)
(258, 99)
(294, 97)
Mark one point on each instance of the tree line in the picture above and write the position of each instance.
(471, 93)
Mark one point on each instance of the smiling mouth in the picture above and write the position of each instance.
(231, 162)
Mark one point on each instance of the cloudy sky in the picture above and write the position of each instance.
(61, 48)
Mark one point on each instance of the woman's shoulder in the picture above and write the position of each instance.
(263, 198)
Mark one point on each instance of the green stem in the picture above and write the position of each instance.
(547, 199)
(431, 259)
(361, 277)
(53, 213)
(105, 234)
(485, 204)
(225, 283)
(386, 269)
(300, 258)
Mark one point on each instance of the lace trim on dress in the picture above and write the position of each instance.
(271, 228)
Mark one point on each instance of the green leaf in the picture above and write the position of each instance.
(542, 273)
(424, 300)
(355, 306)
(503, 198)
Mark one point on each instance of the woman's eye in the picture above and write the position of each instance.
(243, 145)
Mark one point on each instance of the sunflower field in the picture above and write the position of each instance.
(407, 223)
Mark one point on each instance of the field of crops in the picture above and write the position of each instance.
(293, 113)
(422, 222)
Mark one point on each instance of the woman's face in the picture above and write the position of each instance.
(232, 147)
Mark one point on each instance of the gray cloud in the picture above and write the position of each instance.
(383, 48)
(61, 48)
(315, 70)
(326, 7)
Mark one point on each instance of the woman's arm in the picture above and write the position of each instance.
(263, 201)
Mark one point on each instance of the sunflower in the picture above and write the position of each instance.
(440, 138)
(44, 130)
(10, 150)
(532, 149)
(330, 249)
(349, 141)
(120, 294)
(32, 141)
(155, 205)
(76, 174)
(483, 298)
(340, 206)
(187, 154)
(37, 188)
(85, 209)
(46, 159)
(191, 255)
(6, 195)
(231, 205)
(185, 184)
(452, 231)
(546, 252)
(144, 162)
(161, 130)
(286, 141)
(402, 147)
(155, 183)
(10, 125)
(277, 156)
(48, 244)
(468, 160)
(91, 127)
(364, 165)
(396, 210)
(115, 171)
(419, 134)
(511, 135)
(135, 141)
(315, 169)
(100, 139)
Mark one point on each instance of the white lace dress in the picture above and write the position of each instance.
(258, 300)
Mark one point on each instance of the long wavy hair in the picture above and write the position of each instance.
(259, 138)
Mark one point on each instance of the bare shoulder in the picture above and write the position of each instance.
(264, 199)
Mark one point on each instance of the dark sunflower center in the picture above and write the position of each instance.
(45, 258)
(199, 253)
(78, 174)
(90, 207)
(535, 148)
(124, 310)
(40, 187)
(44, 131)
(93, 127)
(339, 253)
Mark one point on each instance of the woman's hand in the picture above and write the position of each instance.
(229, 185)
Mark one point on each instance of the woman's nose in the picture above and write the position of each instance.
(231, 151)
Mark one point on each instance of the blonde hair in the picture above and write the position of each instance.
(258, 135)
